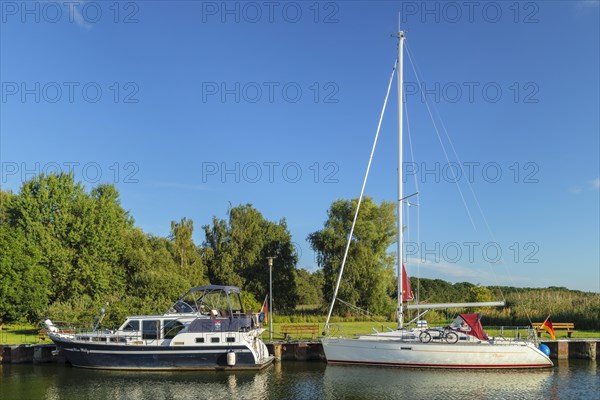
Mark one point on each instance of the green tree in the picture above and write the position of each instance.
(218, 254)
(479, 294)
(236, 253)
(77, 235)
(24, 284)
(186, 253)
(368, 280)
(310, 287)
(154, 278)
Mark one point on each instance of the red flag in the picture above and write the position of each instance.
(265, 309)
(407, 293)
(547, 326)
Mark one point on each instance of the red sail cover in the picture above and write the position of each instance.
(474, 322)
(407, 293)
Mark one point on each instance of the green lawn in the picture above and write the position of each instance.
(19, 334)
(356, 328)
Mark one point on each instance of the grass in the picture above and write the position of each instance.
(19, 334)
(366, 327)
(28, 334)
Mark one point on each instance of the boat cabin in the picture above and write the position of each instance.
(210, 309)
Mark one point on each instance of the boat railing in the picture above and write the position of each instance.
(512, 333)
(335, 330)
(71, 327)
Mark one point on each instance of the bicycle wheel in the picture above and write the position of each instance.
(425, 337)
(451, 337)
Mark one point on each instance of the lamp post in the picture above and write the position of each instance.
(271, 296)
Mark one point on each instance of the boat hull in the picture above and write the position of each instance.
(397, 353)
(140, 357)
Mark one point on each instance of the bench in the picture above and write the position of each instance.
(558, 326)
(42, 335)
(288, 330)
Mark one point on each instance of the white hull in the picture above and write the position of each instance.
(399, 353)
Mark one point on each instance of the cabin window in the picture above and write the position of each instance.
(132, 326)
(230, 339)
(214, 340)
(236, 303)
(199, 340)
(150, 329)
(171, 328)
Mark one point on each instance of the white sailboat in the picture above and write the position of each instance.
(463, 344)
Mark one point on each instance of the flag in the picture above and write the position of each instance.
(547, 326)
(265, 309)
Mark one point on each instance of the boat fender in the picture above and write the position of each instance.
(544, 349)
(230, 358)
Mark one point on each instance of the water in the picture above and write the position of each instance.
(574, 379)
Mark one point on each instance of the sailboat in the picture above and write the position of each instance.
(463, 344)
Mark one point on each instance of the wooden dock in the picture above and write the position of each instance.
(587, 349)
(563, 349)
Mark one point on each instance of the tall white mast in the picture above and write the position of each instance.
(400, 195)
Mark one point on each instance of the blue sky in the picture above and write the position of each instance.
(188, 107)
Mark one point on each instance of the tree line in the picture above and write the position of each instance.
(65, 252)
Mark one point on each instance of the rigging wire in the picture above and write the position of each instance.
(418, 190)
(439, 136)
(364, 312)
(362, 191)
(455, 153)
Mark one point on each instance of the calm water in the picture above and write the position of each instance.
(575, 379)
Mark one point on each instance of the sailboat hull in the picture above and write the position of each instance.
(399, 353)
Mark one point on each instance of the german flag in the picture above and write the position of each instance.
(265, 309)
(547, 326)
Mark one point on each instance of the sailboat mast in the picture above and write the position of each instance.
(400, 195)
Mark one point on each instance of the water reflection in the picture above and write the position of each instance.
(300, 380)
(350, 382)
(60, 382)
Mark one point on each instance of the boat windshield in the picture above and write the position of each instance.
(470, 324)
(207, 300)
(459, 324)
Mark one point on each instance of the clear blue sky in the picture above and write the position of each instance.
(164, 98)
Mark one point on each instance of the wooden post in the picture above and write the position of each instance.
(563, 350)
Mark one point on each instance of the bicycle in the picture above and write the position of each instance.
(447, 335)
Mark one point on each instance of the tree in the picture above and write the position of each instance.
(218, 254)
(480, 294)
(24, 284)
(310, 287)
(236, 250)
(185, 252)
(78, 236)
(368, 280)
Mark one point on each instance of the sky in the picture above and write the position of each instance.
(191, 107)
